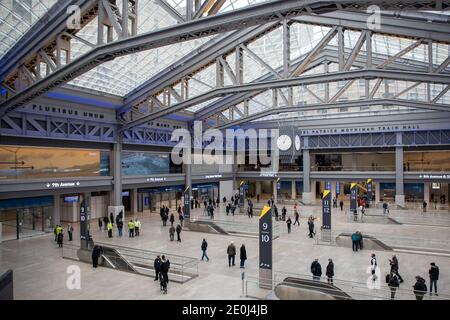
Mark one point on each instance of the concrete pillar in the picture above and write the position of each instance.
(187, 186)
(399, 188)
(258, 187)
(116, 168)
(313, 191)
(134, 201)
(274, 191)
(377, 192)
(426, 192)
(307, 197)
(56, 209)
(293, 190)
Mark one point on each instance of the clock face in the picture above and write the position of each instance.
(297, 143)
(284, 142)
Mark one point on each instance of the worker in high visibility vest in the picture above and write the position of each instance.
(131, 228)
(109, 227)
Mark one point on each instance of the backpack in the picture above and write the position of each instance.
(388, 278)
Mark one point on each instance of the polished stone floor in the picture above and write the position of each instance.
(41, 273)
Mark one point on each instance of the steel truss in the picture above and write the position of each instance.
(30, 85)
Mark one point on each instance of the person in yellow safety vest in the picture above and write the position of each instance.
(131, 228)
(137, 227)
(109, 227)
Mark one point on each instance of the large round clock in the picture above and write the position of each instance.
(284, 142)
(297, 143)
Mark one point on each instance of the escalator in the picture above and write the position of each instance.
(304, 289)
(113, 259)
(208, 224)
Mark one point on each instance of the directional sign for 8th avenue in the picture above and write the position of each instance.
(55, 185)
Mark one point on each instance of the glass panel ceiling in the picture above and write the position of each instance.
(17, 17)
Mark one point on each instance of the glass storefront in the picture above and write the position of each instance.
(26, 217)
(18, 162)
(426, 161)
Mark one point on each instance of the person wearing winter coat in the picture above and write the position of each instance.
(316, 269)
(178, 230)
(243, 256)
(231, 251)
(434, 277)
(393, 284)
(204, 247)
(394, 267)
(330, 271)
(172, 219)
(420, 288)
(96, 253)
(157, 265)
(289, 223)
(171, 232)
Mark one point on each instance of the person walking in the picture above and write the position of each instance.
(70, 231)
(434, 277)
(297, 217)
(385, 207)
(316, 269)
(393, 283)
(334, 202)
(171, 232)
(157, 265)
(131, 228)
(165, 267)
(111, 217)
(250, 211)
(311, 227)
(420, 288)
(289, 223)
(97, 251)
(243, 256)
(355, 242)
(181, 218)
(204, 247)
(231, 251)
(394, 267)
(341, 204)
(330, 271)
(172, 219)
(424, 206)
(178, 230)
(100, 224)
(373, 266)
(164, 219)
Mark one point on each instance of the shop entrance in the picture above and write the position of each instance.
(22, 218)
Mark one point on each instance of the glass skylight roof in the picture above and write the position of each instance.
(17, 17)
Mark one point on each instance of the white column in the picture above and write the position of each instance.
(333, 189)
(134, 201)
(426, 192)
(377, 192)
(306, 196)
(293, 189)
(313, 191)
(399, 187)
(274, 191)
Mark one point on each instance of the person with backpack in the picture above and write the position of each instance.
(157, 265)
(393, 283)
(420, 288)
(289, 223)
(434, 277)
(316, 269)
(330, 271)
(204, 247)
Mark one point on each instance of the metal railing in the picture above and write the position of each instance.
(182, 268)
(341, 289)
(412, 243)
(240, 227)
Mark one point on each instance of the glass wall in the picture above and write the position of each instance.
(427, 161)
(18, 162)
(355, 161)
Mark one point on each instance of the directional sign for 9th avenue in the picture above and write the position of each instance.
(55, 185)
